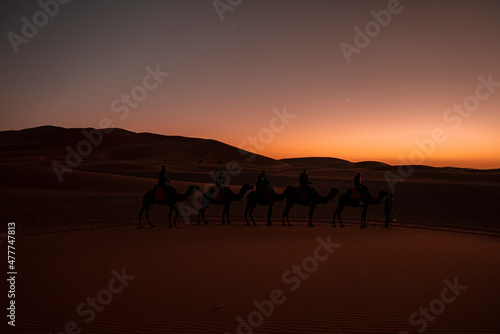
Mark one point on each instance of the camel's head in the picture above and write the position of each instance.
(334, 191)
(383, 193)
(193, 189)
(246, 187)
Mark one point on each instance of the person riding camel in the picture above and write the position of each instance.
(163, 181)
(360, 187)
(220, 186)
(304, 182)
(263, 185)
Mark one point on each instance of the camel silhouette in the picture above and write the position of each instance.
(294, 197)
(149, 199)
(257, 198)
(227, 198)
(347, 200)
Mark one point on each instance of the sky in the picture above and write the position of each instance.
(280, 78)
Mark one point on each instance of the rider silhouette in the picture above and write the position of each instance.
(220, 185)
(263, 185)
(163, 180)
(304, 182)
(360, 187)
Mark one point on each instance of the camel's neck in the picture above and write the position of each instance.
(186, 195)
(280, 197)
(240, 194)
(327, 198)
(378, 200)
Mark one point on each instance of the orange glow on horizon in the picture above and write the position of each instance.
(470, 147)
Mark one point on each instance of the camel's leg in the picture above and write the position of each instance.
(204, 205)
(147, 216)
(311, 214)
(251, 214)
(224, 209)
(335, 215)
(338, 213)
(247, 209)
(203, 216)
(269, 214)
(176, 213)
(227, 213)
(145, 207)
(140, 215)
(288, 206)
(174, 209)
(246, 212)
(169, 216)
(201, 213)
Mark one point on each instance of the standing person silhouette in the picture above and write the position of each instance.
(389, 210)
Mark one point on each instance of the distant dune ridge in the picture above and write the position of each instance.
(49, 143)
(333, 163)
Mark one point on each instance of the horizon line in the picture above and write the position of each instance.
(266, 156)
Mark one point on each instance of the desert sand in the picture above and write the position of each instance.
(200, 279)
(84, 266)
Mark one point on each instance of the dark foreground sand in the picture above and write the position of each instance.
(200, 279)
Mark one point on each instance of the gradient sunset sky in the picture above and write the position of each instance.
(226, 77)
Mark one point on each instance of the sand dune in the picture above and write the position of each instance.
(202, 279)
(48, 142)
(333, 163)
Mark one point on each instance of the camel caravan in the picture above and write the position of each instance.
(264, 194)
